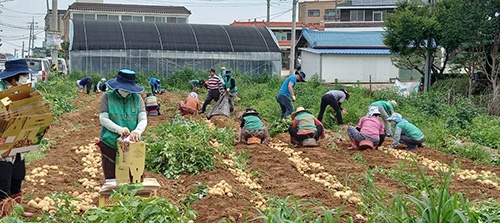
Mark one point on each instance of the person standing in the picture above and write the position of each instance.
(12, 168)
(369, 128)
(286, 94)
(406, 133)
(215, 86)
(304, 126)
(231, 89)
(155, 85)
(334, 98)
(222, 72)
(122, 114)
(386, 108)
(85, 84)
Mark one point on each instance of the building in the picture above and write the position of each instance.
(319, 12)
(162, 48)
(124, 12)
(283, 33)
(347, 57)
(60, 22)
(361, 15)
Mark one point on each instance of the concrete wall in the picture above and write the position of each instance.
(313, 65)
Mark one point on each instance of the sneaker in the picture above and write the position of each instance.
(411, 147)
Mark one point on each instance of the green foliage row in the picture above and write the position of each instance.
(59, 92)
(182, 146)
(129, 208)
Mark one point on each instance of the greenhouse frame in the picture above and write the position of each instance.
(107, 46)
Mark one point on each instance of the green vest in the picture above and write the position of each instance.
(253, 122)
(410, 130)
(306, 122)
(122, 111)
(227, 81)
(386, 105)
(3, 87)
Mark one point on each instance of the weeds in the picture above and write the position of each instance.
(241, 159)
(358, 158)
(200, 191)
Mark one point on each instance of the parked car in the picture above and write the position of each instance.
(62, 68)
(42, 66)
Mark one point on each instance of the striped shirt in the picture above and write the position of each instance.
(215, 82)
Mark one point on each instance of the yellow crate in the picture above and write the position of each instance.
(104, 199)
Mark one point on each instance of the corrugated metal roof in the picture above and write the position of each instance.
(349, 51)
(332, 39)
(105, 7)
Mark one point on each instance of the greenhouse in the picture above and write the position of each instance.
(107, 46)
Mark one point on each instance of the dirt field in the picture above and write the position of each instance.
(308, 173)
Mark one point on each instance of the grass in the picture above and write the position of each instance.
(44, 145)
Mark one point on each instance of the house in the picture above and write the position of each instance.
(283, 33)
(60, 22)
(161, 48)
(319, 12)
(346, 57)
(361, 15)
(90, 11)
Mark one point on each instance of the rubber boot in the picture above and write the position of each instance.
(354, 145)
(19, 198)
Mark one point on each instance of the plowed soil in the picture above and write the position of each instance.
(277, 174)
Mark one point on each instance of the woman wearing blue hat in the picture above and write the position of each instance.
(122, 114)
(13, 168)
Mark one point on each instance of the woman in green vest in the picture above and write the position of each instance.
(231, 89)
(305, 126)
(122, 114)
(252, 126)
(406, 133)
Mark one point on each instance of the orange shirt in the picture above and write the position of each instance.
(192, 103)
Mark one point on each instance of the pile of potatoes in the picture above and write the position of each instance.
(221, 188)
(47, 204)
(330, 181)
(37, 174)
(241, 176)
(214, 143)
(484, 177)
(259, 201)
(210, 125)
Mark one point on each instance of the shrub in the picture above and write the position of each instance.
(483, 131)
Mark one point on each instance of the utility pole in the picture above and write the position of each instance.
(268, 13)
(15, 52)
(22, 51)
(292, 48)
(31, 35)
(54, 27)
(428, 57)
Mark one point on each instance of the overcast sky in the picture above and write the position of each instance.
(16, 15)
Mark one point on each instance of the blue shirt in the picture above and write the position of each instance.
(84, 81)
(154, 80)
(284, 87)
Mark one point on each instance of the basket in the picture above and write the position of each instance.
(253, 140)
(366, 144)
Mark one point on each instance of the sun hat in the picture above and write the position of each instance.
(394, 104)
(395, 117)
(149, 94)
(103, 79)
(125, 81)
(222, 68)
(373, 110)
(346, 93)
(15, 66)
(302, 75)
(228, 73)
(299, 110)
(250, 111)
(193, 95)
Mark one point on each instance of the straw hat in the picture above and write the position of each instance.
(298, 110)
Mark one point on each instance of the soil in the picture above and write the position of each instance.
(275, 173)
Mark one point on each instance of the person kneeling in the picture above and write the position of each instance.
(191, 105)
(369, 133)
(406, 133)
(252, 127)
(305, 127)
(152, 105)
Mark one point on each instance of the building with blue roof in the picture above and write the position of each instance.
(346, 57)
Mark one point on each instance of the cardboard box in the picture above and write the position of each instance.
(130, 161)
(145, 189)
(24, 120)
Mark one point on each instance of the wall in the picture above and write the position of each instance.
(304, 7)
(350, 68)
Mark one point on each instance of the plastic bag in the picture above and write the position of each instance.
(221, 107)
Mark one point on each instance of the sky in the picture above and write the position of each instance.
(16, 15)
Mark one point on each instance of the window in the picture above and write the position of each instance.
(78, 16)
(149, 19)
(330, 14)
(181, 20)
(137, 18)
(357, 15)
(89, 17)
(160, 19)
(126, 18)
(102, 17)
(378, 15)
(114, 17)
(313, 13)
(171, 20)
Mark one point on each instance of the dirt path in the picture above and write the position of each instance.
(275, 171)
